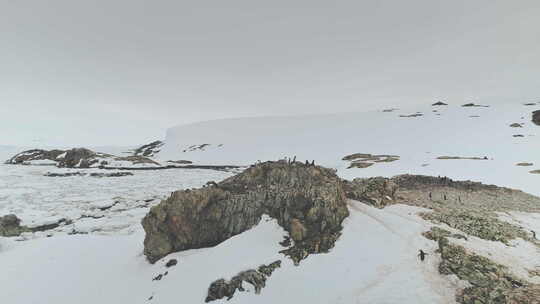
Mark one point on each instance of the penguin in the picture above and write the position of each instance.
(422, 255)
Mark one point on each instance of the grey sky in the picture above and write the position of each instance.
(122, 71)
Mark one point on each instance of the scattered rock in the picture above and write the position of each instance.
(412, 115)
(439, 103)
(535, 171)
(171, 263)
(530, 104)
(516, 125)
(473, 105)
(306, 200)
(518, 135)
(524, 164)
(389, 110)
(158, 277)
(460, 157)
(364, 160)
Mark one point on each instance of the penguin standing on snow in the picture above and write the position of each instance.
(422, 255)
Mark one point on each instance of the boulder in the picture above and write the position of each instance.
(10, 225)
(307, 201)
(536, 117)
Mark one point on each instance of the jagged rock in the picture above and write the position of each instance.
(221, 288)
(267, 270)
(536, 117)
(10, 225)
(307, 201)
(35, 154)
(149, 150)
(78, 157)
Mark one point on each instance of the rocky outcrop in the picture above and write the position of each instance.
(10, 225)
(536, 117)
(257, 278)
(376, 191)
(149, 150)
(34, 155)
(439, 103)
(489, 282)
(78, 157)
(307, 201)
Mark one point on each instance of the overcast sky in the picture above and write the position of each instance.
(120, 72)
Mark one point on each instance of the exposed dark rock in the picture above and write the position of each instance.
(35, 154)
(536, 117)
(439, 103)
(171, 263)
(524, 164)
(307, 201)
(226, 289)
(518, 135)
(516, 125)
(148, 150)
(80, 157)
(462, 157)
(46, 227)
(412, 115)
(267, 270)
(180, 162)
(473, 105)
(10, 225)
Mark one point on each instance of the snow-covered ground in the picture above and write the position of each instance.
(451, 131)
(374, 261)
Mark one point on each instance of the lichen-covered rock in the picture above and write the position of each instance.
(376, 191)
(10, 225)
(307, 201)
(489, 281)
(479, 224)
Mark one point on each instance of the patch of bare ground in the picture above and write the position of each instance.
(524, 164)
(364, 160)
